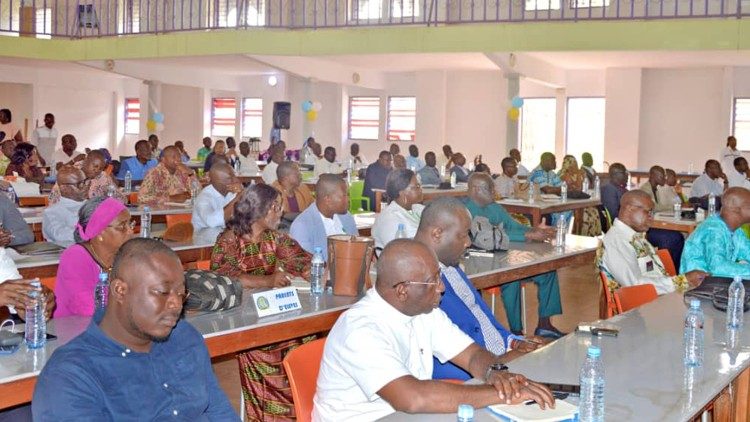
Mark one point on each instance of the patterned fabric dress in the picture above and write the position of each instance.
(590, 223)
(265, 387)
(159, 184)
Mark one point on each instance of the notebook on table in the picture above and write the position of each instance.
(563, 411)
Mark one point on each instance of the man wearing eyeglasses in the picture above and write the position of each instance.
(136, 360)
(629, 259)
(378, 356)
(59, 219)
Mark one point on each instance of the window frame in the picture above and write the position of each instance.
(129, 118)
(734, 121)
(388, 119)
(349, 117)
(244, 116)
(520, 126)
(214, 118)
(567, 126)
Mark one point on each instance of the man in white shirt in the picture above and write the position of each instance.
(729, 153)
(446, 158)
(412, 161)
(506, 184)
(269, 172)
(308, 154)
(356, 160)
(630, 259)
(68, 154)
(378, 356)
(709, 181)
(328, 164)
(45, 137)
(737, 174)
(59, 220)
(516, 155)
(215, 203)
(327, 216)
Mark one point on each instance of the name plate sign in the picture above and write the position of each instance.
(272, 302)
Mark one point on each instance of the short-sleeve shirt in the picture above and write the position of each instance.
(209, 208)
(373, 344)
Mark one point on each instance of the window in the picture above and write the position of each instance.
(252, 117)
(132, 116)
(585, 129)
(223, 116)
(364, 118)
(538, 121)
(366, 9)
(402, 118)
(588, 3)
(404, 8)
(44, 23)
(130, 20)
(741, 123)
(542, 5)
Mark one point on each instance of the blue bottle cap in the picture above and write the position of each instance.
(401, 226)
(465, 411)
(738, 278)
(318, 249)
(695, 304)
(594, 351)
(146, 209)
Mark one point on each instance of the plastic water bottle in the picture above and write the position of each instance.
(442, 172)
(585, 187)
(591, 404)
(693, 337)
(237, 166)
(563, 191)
(316, 272)
(110, 191)
(401, 232)
(419, 179)
(532, 192)
(128, 182)
(12, 195)
(465, 413)
(35, 332)
(736, 304)
(561, 230)
(453, 180)
(711, 204)
(146, 222)
(700, 215)
(677, 210)
(101, 291)
(597, 187)
(195, 188)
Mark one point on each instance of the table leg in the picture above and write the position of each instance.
(741, 395)
(536, 217)
(378, 199)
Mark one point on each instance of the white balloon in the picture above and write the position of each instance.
(317, 106)
(159, 127)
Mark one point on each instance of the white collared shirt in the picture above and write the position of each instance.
(373, 344)
(209, 208)
(736, 178)
(522, 170)
(332, 225)
(59, 156)
(323, 166)
(59, 221)
(727, 156)
(704, 185)
(622, 262)
(506, 186)
(269, 173)
(386, 224)
(8, 269)
(45, 140)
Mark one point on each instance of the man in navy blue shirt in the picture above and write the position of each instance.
(138, 361)
(140, 164)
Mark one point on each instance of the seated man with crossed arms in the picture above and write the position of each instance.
(378, 356)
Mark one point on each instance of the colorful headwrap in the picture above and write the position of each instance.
(104, 214)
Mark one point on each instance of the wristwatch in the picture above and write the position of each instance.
(497, 366)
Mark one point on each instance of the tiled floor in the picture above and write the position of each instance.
(579, 289)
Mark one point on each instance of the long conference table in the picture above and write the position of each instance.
(239, 329)
(544, 206)
(645, 379)
(428, 193)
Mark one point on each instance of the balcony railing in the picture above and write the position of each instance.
(94, 18)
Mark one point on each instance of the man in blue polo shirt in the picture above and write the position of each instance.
(139, 360)
(140, 164)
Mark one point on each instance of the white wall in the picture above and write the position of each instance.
(622, 116)
(18, 98)
(182, 107)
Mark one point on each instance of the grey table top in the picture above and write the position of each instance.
(28, 363)
(544, 203)
(34, 214)
(644, 375)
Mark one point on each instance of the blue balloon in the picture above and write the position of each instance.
(307, 105)
(158, 118)
(517, 102)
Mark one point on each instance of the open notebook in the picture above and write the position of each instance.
(563, 411)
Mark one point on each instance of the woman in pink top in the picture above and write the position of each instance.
(103, 226)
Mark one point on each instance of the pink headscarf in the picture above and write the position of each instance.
(104, 214)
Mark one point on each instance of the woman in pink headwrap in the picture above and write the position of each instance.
(103, 226)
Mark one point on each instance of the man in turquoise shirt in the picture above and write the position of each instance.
(481, 202)
(718, 246)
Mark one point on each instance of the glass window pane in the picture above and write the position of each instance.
(402, 118)
(252, 117)
(537, 129)
(742, 123)
(364, 118)
(223, 116)
(132, 116)
(585, 129)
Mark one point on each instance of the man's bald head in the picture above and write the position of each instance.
(634, 197)
(331, 195)
(171, 150)
(481, 189)
(656, 176)
(70, 181)
(129, 260)
(328, 184)
(735, 207)
(408, 277)
(636, 207)
(444, 228)
(222, 177)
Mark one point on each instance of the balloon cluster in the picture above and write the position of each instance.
(311, 109)
(156, 122)
(515, 111)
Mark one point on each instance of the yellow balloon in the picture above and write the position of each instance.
(151, 125)
(312, 115)
(514, 113)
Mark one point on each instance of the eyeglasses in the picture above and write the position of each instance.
(433, 279)
(277, 207)
(650, 212)
(124, 227)
(78, 185)
(164, 294)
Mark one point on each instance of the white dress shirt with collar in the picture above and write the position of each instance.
(59, 221)
(332, 225)
(506, 186)
(323, 166)
(522, 170)
(736, 179)
(269, 173)
(209, 208)
(8, 269)
(60, 156)
(373, 344)
(386, 224)
(704, 185)
(621, 260)
(45, 140)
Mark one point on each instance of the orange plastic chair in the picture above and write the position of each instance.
(173, 219)
(203, 265)
(666, 259)
(630, 297)
(608, 307)
(109, 168)
(49, 282)
(302, 366)
(133, 198)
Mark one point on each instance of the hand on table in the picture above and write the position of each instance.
(235, 188)
(696, 277)
(530, 344)
(541, 233)
(180, 197)
(279, 279)
(5, 237)
(515, 388)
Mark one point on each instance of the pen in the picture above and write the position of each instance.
(281, 270)
(530, 340)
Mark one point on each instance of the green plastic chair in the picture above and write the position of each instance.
(356, 198)
(746, 229)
